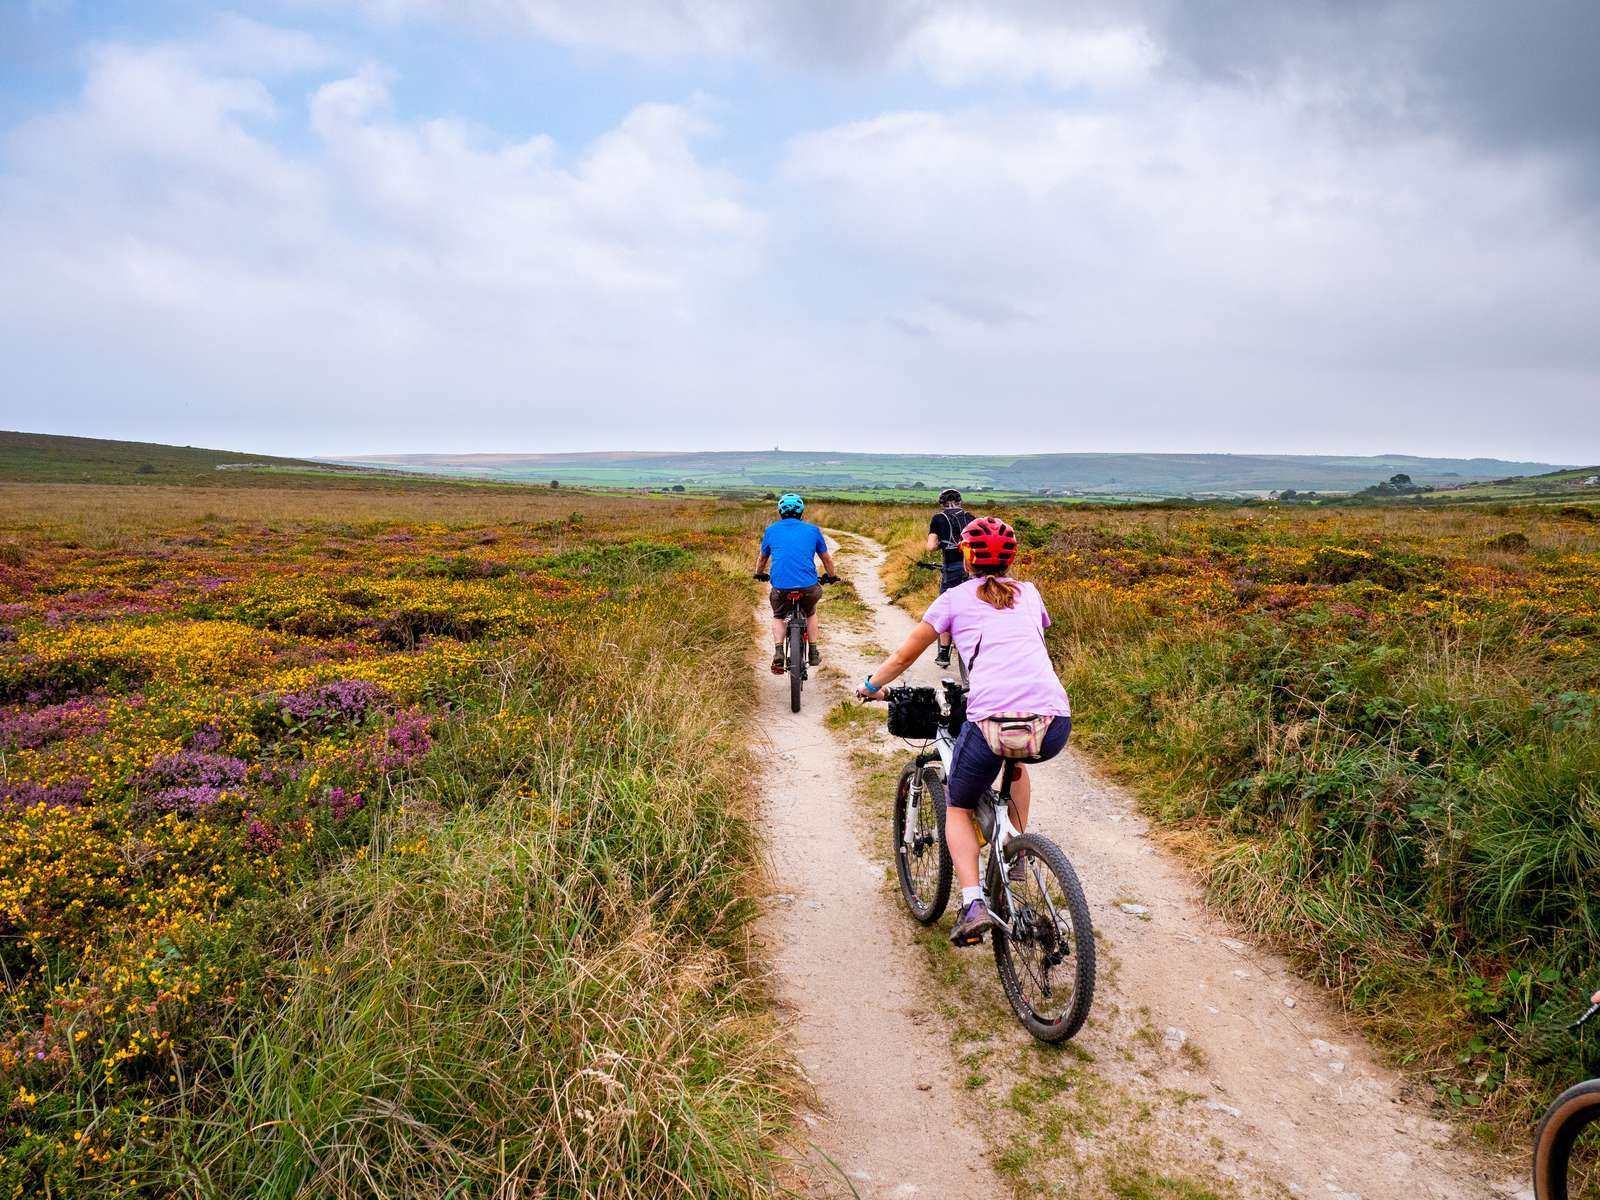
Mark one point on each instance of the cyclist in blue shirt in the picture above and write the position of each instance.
(791, 545)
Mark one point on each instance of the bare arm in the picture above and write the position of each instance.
(895, 665)
(933, 541)
(761, 564)
(827, 563)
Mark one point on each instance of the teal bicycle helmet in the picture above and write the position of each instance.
(790, 505)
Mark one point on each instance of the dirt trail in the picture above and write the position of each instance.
(890, 1120)
(1216, 1063)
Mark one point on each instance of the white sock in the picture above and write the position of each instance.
(968, 895)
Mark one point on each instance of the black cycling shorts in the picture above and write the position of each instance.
(974, 767)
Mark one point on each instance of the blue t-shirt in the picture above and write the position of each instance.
(793, 544)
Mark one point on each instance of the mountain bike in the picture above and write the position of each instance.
(1042, 937)
(957, 666)
(794, 640)
(1564, 1121)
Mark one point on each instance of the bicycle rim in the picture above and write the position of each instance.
(1046, 959)
(797, 665)
(923, 866)
(1572, 1112)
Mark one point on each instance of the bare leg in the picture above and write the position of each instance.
(778, 631)
(811, 628)
(962, 842)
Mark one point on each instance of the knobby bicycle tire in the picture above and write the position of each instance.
(925, 909)
(1572, 1112)
(797, 664)
(1051, 859)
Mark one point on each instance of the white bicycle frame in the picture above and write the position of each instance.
(944, 744)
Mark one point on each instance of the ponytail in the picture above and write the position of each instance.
(997, 592)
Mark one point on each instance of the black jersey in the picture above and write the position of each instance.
(947, 525)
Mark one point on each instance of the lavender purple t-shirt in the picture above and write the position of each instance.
(1008, 667)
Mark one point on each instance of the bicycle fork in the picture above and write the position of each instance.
(913, 839)
(908, 823)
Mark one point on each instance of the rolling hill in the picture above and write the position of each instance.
(41, 458)
(1126, 476)
(51, 458)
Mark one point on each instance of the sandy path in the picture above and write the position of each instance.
(1242, 1075)
(889, 1117)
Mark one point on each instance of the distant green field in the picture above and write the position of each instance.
(1064, 476)
(879, 478)
(1555, 487)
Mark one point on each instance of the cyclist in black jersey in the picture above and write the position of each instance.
(944, 533)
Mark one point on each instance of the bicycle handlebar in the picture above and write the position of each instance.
(928, 566)
(1585, 1019)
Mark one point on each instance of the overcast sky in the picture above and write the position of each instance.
(325, 226)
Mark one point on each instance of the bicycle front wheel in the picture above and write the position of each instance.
(1043, 939)
(1573, 1112)
(797, 664)
(920, 858)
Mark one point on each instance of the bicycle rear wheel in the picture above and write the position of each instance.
(797, 664)
(1046, 960)
(1573, 1112)
(922, 862)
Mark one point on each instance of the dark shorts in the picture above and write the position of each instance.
(807, 599)
(951, 575)
(974, 767)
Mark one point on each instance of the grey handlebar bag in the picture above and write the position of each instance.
(1015, 735)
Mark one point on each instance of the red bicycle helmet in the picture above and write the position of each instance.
(992, 542)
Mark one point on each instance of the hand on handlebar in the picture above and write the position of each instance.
(928, 566)
(828, 579)
(761, 575)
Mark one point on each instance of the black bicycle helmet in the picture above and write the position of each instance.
(949, 496)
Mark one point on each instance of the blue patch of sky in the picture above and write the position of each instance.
(514, 86)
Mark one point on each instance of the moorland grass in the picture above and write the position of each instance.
(521, 970)
(545, 994)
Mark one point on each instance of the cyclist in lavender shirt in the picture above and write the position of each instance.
(998, 624)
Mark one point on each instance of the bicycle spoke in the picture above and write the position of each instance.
(921, 860)
(1039, 934)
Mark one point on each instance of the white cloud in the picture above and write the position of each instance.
(953, 43)
(379, 264)
(971, 45)
(1209, 254)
